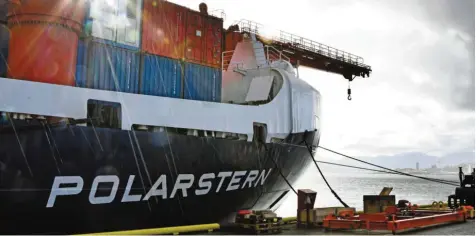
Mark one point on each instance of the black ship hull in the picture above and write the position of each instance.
(190, 177)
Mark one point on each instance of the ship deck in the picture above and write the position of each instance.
(446, 229)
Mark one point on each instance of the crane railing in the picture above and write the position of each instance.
(288, 39)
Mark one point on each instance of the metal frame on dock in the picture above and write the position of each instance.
(392, 221)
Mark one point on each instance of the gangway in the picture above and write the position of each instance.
(306, 52)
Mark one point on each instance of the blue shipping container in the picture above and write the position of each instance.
(101, 66)
(161, 76)
(4, 38)
(202, 83)
(81, 62)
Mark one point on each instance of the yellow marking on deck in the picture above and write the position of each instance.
(166, 230)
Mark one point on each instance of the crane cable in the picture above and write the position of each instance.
(363, 168)
(399, 172)
(390, 171)
(355, 167)
(322, 175)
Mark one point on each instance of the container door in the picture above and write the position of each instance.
(154, 34)
(195, 38)
(128, 23)
(163, 29)
(214, 29)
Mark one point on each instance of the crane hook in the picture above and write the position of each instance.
(349, 97)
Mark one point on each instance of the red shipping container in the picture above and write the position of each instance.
(163, 29)
(203, 39)
(195, 39)
(214, 42)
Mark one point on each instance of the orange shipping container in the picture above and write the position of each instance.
(163, 29)
(203, 39)
(44, 51)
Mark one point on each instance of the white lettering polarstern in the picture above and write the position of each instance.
(182, 186)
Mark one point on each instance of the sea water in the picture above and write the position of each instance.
(351, 186)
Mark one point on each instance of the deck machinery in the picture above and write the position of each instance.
(464, 194)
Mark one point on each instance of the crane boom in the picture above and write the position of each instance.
(309, 53)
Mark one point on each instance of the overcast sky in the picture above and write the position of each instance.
(420, 96)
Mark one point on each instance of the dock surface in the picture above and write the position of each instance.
(467, 228)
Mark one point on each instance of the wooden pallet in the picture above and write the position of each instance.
(258, 220)
(269, 231)
(260, 228)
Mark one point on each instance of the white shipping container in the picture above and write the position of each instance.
(116, 20)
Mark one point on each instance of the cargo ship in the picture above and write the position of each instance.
(119, 115)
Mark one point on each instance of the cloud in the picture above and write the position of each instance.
(450, 58)
(420, 96)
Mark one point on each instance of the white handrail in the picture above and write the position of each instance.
(281, 55)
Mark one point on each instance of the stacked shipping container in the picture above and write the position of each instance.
(117, 22)
(172, 33)
(108, 53)
(163, 41)
(163, 30)
(161, 76)
(202, 83)
(105, 67)
(178, 53)
(203, 40)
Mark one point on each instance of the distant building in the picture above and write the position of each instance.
(433, 166)
(418, 166)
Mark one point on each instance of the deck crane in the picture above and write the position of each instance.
(302, 51)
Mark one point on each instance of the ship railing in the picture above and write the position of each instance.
(219, 13)
(226, 59)
(287, 39)
(273, 54)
